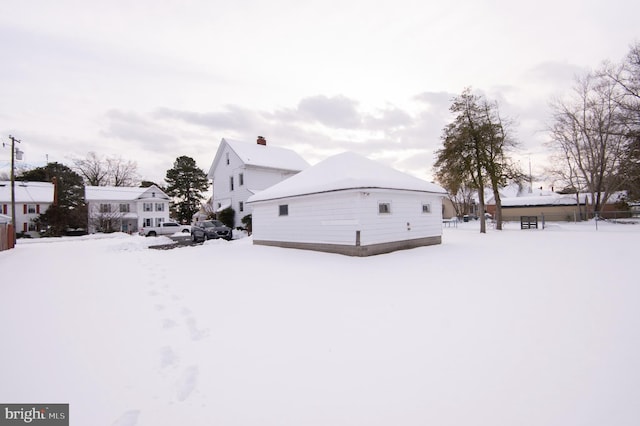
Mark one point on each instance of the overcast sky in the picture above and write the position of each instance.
(153, 80)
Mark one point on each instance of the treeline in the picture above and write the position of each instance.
(594, 140)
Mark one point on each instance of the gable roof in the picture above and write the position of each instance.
(252, 154)
(345, 171)
(27, 192)
(122, 193)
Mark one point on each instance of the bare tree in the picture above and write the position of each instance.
(99, 171)
(93, 169)
(105, 218)
(589, 134)
(626, 77)
(122, 172)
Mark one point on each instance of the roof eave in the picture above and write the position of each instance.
(360, 188)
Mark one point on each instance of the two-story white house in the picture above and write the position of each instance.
(241, 169)
(31, 199)
(125, 209)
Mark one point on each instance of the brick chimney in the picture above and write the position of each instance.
(262, 141)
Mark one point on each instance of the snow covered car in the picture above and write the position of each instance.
(209, 230)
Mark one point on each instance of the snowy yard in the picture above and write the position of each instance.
(509, 328)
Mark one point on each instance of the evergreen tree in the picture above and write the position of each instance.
(68, 209)
(474, 152)
(185, 183)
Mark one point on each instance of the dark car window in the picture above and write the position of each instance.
(212, 224)
(169, 224)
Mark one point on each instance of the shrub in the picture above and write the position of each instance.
(246, 221)
(227, 216)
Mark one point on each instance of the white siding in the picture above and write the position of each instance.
(334, 218)
(406, 220)
(136, 210)
(26, 220)
(254, 179)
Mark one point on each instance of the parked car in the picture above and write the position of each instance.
(166, 228)
(209, 230)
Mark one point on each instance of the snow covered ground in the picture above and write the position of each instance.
(509, 328)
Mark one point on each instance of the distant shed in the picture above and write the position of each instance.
(351, 205)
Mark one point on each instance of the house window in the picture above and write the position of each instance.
(159, 221)
(124, 208)
(384, 208)
(231, 183)
(32, 226)
(241, 206)
(147, 222)
(153, 195)
(241, 179)
(159, 207)
(426, 208)
(147, 207)
(105, 208)
(227, 156)
(283, 209)
(31, 208)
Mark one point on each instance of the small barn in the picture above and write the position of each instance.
(351, 205)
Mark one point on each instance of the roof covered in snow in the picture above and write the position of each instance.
(345, 171)
(253, 154)
(551, 199)
(27, 192)
(122, 193)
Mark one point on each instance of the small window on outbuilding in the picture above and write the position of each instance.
(426, 208)
(241, 206)
(283, 209)
(384, 208)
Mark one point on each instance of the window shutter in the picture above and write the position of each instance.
(24, 209)
(24, 227)
(38, 208)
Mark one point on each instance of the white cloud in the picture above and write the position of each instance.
(158, 79)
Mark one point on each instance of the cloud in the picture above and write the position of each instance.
(232, 117)
(388, 118)
(436, 100)
(336, 112)
(317, 127)
(133, 127)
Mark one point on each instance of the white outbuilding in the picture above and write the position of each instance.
(351, 205)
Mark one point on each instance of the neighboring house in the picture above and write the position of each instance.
(242, 169)
(31, 199)
(554, 207)
(125, 209)
(351, 205)
(551, 206)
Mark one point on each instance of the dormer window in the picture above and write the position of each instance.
(153, 195)
(227, 157)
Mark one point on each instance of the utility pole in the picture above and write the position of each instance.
(13, 186)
